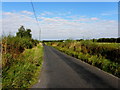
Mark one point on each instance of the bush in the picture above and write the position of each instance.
(13, 47)
(109, 50)
(16, 45)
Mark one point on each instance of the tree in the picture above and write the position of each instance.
(22, 32)
(28, 33)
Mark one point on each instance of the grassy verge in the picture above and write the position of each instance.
(24, 70)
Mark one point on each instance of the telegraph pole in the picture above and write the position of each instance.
(36, 20)
(39, 35)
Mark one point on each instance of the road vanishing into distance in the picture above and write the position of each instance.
(62, 71)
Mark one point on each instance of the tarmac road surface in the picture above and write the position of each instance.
(62, 71)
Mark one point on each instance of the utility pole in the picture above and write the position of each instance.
(39, 35)
(36, 20)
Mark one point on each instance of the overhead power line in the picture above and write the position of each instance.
(36, 20)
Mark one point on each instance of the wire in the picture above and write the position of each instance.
(36, 19)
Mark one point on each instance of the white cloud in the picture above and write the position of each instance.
(12, 21)
(27, 12)
(60, 28)
(46, 13)
(7, 13)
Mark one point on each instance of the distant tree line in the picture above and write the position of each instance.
(60, 40)
(111, 40)
(52, 40)
(116, 40)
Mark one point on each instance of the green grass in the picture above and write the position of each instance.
(24, 71)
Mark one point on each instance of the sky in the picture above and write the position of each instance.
(62, 20)
(61, 0)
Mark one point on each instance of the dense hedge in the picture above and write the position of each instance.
(13, 46)
(108, 50)
(17, 44)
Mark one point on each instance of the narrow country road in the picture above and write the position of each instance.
(62, 71)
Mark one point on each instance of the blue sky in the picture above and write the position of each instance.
(67, 14)
(90, 9)
(61, 0)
